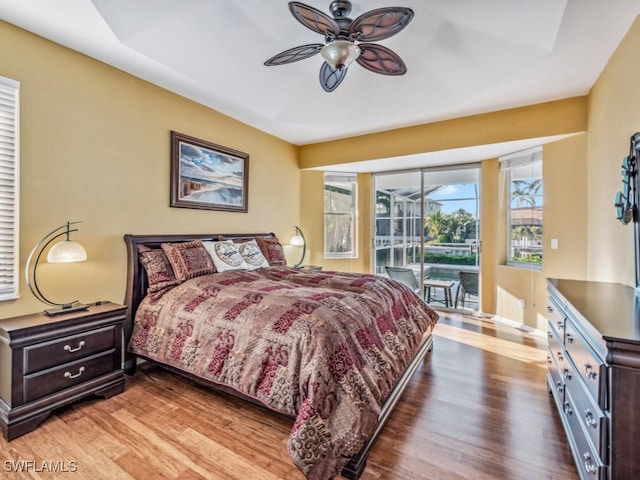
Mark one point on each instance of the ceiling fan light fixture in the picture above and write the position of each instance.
(340, 53)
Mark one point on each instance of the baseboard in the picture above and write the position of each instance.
(520, 326)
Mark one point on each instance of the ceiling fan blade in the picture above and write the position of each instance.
(314, 19)
(380, 23)
(379, 59)
(294, 54)
(331, 77)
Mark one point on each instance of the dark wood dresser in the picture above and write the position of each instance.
(594, 374)
(47, 362)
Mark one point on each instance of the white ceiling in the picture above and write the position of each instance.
(463, 57)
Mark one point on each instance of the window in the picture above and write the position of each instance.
(9, 181)
(523, 172)
(340, 215)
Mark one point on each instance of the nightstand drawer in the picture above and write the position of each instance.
(60, 378)
(63, 350)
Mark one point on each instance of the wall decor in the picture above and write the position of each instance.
(208, 176)
(628, 199)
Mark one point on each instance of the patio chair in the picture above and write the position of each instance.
(404, 275)
(468, 286)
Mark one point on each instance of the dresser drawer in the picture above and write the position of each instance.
(557, 318)
(556, 347)
(591, 417)
(43, 383)
(590, 368)
(587, 459)
(63, 350)
(555, 380)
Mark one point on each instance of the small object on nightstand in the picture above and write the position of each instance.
(50, 362)
(312, 268)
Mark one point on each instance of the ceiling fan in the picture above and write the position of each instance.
(341, 34)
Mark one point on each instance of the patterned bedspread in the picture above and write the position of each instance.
(323, 347)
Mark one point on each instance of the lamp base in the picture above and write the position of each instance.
(73, 307)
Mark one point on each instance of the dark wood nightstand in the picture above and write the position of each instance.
(47, 362)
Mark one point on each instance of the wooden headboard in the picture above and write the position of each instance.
(137, 283)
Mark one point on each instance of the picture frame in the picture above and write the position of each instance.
(208, 176)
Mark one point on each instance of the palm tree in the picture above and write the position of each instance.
(434, 223)
(525, 192)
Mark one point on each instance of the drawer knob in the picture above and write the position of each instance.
(566, 406)
(569, 338)
(549, 360)
(588, 463)
(70, 375)
(560, 325)
(559, 387)
(589, 371)
(589, 420)
(567, 374)
(549, 309)
(560, 356)
(69, 349)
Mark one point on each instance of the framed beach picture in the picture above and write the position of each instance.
(208, 176)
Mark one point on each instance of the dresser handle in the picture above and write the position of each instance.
(71, 350)
(560, 325)
(559, 387)
(567, 374)
(549, 360)
(588, 464)
(589, 371)
(566, 406)
(560, 357)
(569, 338)
(549, 309)
(549, 335)
(69, 375)
(589, 420)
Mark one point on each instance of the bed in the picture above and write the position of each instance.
(333, 351)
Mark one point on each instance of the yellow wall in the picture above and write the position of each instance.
(613, 117)
(95, 148)
(552, 118)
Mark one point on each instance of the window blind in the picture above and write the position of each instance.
(9, 182)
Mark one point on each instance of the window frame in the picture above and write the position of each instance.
(9, 188)
(527, 158)
(353, 180)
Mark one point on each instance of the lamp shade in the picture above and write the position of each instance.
(297, 241)
(340, 53)
(67, 251)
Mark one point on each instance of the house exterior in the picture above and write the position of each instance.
(95, 147)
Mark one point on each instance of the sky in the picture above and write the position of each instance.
(446, 194)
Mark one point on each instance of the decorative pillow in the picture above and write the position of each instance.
(225, 256)
(159, 271)
(189, 259)
(252, 255)
(272, 250)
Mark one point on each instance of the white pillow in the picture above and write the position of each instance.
(225, 256)
(252, 255)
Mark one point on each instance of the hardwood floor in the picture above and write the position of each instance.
(477, 409)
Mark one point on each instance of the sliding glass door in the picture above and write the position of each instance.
(428, 221)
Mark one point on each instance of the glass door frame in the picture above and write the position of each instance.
(422, 171)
